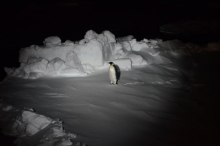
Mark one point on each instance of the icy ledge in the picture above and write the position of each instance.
(32, 128)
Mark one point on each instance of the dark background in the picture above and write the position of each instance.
(24, 23)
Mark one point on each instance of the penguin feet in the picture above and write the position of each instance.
(113, 83)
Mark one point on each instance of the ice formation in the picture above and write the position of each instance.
(83, 57)
(32, 128)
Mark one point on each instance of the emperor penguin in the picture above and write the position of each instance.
(114, 73)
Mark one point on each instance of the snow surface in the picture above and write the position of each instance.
(151, 105)
(104, 114)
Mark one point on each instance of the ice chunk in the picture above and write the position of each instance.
(90, 53)
(139, 45)
(33, 59)
(68, 42)
(102, 39)
(54, 66)
(113, 51)
(105, 37)
(48, 53)
(132, 42)
(20, 73)
(110, 36)
(136, 59)
(53, 40)
(72, 61)
(90, 35)
(39, 66)
(34, 122)
(36, 47)
(126, 45)
(153, 43)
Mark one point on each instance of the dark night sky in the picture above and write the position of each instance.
(30, 22)
(26, 23)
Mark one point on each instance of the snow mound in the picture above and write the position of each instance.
(139, 45)
(48, 53)
(136, 59)
(36, 65)
(54, 66)
(82, 58)
(32, 128)
(113, 51)
(90, 53)
(110, 36)
(53, 40)
(90, 35)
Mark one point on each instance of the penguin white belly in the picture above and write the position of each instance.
(112, 75)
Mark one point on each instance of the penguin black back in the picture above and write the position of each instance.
(117, 72)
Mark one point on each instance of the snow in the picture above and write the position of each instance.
(45, 52)
(36, 65)
(55, 65)
(110, 36)
(83, 57)
(149, 106)
(90, 53)
(113, 51)
(32, 128)
(126, 38)
(102, 114)
(139, 46)
(126, 45)
(53, 40)
(90, 35)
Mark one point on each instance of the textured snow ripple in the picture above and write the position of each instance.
(134, 83)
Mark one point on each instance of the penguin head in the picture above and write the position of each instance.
(111, 63)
